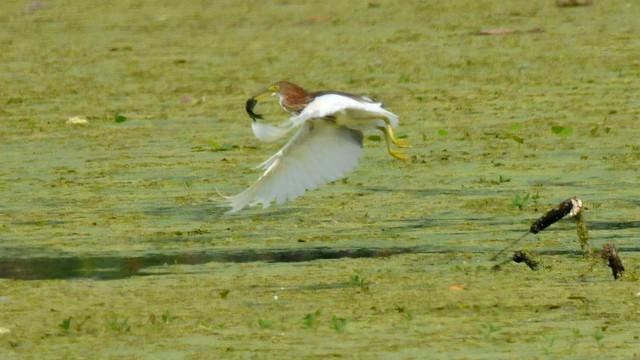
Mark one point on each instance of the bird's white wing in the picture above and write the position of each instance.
(352, 111)
(270, 133)
(319, 152)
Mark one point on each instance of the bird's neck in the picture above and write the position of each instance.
(295, 103)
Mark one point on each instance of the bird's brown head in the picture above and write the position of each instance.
(293, 98)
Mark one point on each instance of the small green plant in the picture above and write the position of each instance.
(81, 324)
(520, 201)
(311, 319)
(503, 179)
(443, 132)
(66, 324)
(265, 324)
(562, 131)
(338, 324)
(404, 78)
(576, 336)
(223, 147)
(224, 293)
(120, 326)
(505, 135)
(407, 314)
(598, 336)
(166, 317)
(356, 280)
(119, 118)
(491, 329)
(551, 340)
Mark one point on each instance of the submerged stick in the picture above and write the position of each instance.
(570, 207)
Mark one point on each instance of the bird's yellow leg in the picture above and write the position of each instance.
(388, 137)
(399, 142)
(389, 130)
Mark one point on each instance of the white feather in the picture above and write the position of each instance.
(269, 133)
(319, 152)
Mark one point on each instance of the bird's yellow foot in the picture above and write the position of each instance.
(398, 155)
(388, 130)
(390, 138)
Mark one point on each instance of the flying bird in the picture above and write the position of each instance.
(331, 126)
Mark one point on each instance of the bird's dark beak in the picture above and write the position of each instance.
(251, 103)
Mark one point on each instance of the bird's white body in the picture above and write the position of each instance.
(326, 146)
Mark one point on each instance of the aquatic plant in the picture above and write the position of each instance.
(66, 324)
(265, 324)
(119, 118)
(166, 317)
(491, 329)
(356, 280)
(562, 131)
(310, 320)
(598, 335)
(338, 324)
(120, 326)
(520, 201)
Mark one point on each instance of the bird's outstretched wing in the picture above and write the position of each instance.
(319, 152)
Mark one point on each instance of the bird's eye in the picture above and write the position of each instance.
(274, 88)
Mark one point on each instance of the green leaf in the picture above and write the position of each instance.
(119, 118)
(443, 132)
(562, 131)
(265, 324)
(66, 324)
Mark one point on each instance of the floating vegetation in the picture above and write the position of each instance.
(505, 135)
(119, 118)
(265, 324)
(120, 326)
(520, 201)
(310, 320)
(66, 324)
(562, 131)
(338, 323)
(583, 235)
(166, 317)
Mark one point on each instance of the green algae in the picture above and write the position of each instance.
(180, 73)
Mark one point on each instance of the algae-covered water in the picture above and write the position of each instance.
(112, 247)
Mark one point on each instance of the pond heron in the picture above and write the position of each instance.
(331, 126)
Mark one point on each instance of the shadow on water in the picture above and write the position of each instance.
(117, 267)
